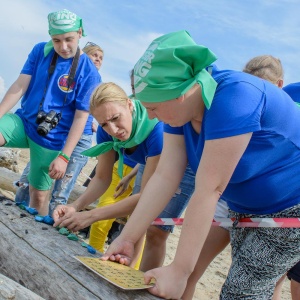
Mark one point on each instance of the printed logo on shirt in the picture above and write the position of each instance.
(62, 83)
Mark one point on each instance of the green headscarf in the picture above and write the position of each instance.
(61, 22)
(171, 65)
(142, 126)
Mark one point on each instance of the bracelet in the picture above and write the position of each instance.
(63, 158)
(64, 155)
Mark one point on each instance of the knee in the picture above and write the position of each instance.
(2, 140)
(156, 236)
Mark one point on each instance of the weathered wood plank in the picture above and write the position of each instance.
(9, 158)
(7, 177)
(10, 289)
(43, 262)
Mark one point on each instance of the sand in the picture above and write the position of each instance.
(211, 282)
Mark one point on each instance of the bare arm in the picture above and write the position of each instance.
(160, 188)
(95, 189)
(58, 167)
(218, 162)
(119, 209)
(76, 131)
(128, 204)
(14, 93)
(99, 183)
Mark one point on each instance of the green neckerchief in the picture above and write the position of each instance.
(61, 22)
(142, 126)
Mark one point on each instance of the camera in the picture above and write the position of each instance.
(47, 121)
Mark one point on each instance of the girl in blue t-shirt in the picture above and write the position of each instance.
(240, 134)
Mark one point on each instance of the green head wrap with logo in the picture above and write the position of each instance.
(61, 22)
(171, 65)
(142, 126)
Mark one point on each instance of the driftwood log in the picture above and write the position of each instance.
(36, 256)
(7, 178)
(9, 158)
(10, 289)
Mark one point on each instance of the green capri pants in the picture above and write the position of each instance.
(12, 129)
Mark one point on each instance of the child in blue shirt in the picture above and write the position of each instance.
(61, 104)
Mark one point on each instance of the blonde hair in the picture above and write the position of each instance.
(107, 92)
(266, 67)
(91, 49)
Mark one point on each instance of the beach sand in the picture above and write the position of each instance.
(209, 286)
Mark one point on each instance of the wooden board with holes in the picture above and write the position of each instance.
(122, 276)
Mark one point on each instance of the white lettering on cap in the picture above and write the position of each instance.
(62, 20)
(143, 66)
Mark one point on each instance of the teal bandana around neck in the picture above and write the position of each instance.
(61, 22)
(142, 126)
(171, 65)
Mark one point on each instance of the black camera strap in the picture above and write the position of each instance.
(70, 79)
(73, 69)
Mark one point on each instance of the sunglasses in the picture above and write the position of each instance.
(89, 44)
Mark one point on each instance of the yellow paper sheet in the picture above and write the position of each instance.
(122, 276)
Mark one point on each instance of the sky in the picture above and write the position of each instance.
(235, 30)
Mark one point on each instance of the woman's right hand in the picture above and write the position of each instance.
(120, 250)
(61, 213)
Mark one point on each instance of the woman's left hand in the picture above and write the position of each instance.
(57, 168)
(170, 282)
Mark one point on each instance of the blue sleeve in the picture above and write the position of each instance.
(155, 140)
(32, 59)
(173, 130)
(229, 116)
(293, 91)
(102, 136)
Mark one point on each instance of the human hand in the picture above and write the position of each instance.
(164, 281)
(61, 213)
(120, 251)
(76, 221)
(122, 186)
(57, 168)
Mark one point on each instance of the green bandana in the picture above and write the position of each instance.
(61, 22)
(141, 128)
(171, 65)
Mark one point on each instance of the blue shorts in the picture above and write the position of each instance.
(294, 273)
(179, 201)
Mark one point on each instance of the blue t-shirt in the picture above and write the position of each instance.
(151, 146)
(293, 90)
(267, 177)
(86, 79)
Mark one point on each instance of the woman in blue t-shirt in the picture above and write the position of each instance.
(240, 134)
(124, 127)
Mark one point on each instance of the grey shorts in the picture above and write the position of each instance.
(260, 256)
